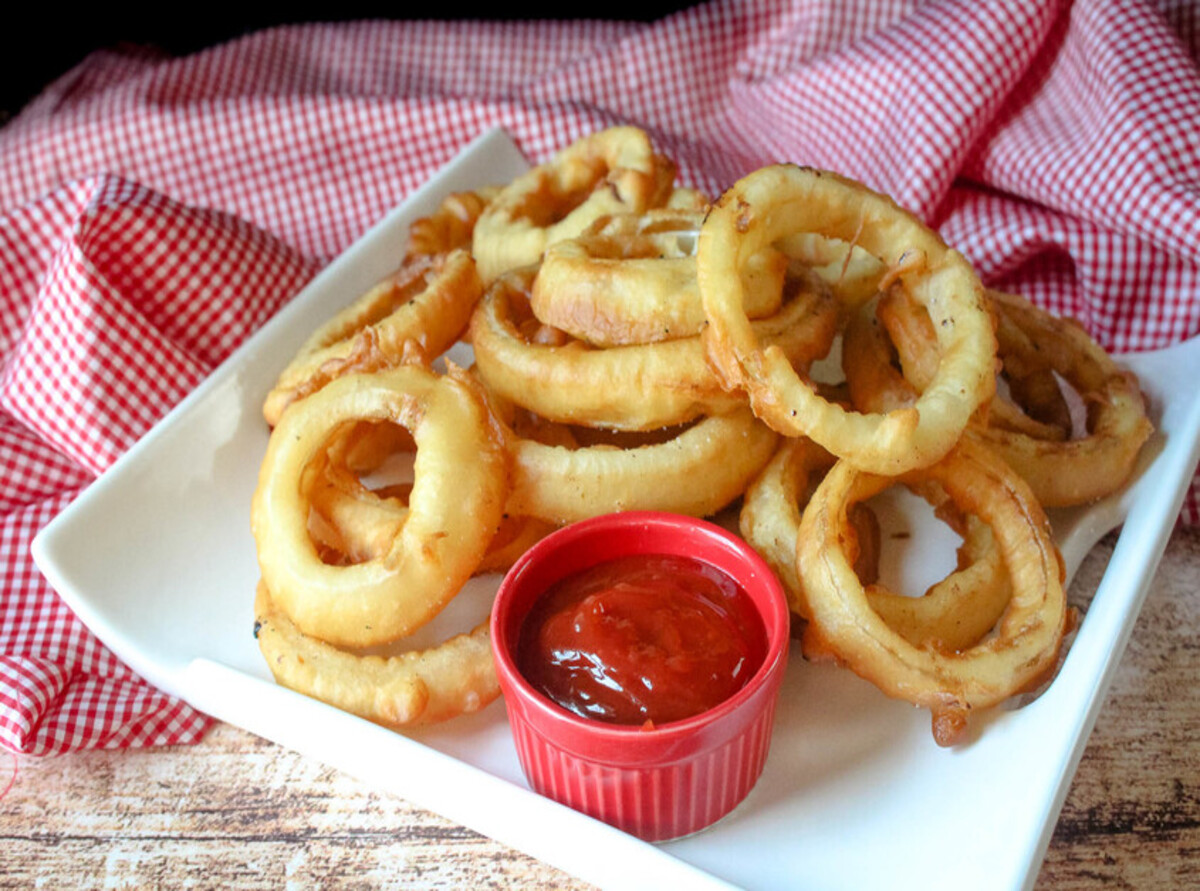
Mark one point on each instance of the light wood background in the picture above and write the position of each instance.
(237, 811)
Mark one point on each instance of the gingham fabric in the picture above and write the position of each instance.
(154, 211)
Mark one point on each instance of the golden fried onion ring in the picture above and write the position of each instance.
(1081, 470)
(852, 273)
(452, 225)
(610, 171)
(1024, 646)
(958, 611)
(561, 484)
(1061, 472)
(631, 278)
(421, 311)
(636, 387)
(776, 202)
(1037, 406)
(873, 380)
(458, 493)
(951, 615)
(418, 687)
(877, 383)
(356, 523)
(351, 521)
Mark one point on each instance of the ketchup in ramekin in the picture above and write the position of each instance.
(644, 639)
(641, 655)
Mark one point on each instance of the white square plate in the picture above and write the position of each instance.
(157, 558)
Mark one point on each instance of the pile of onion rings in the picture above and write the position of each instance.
(921, 409)
(638, 347)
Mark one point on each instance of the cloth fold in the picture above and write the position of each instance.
(156, 211)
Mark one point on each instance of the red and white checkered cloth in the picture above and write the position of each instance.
(155, 211)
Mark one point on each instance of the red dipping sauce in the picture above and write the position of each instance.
(643, 639)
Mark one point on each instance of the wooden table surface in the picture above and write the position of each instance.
(236, 811)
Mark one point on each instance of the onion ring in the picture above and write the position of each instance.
(458, 494)
(452, 225)
(356, 524)
(852, 273)
(1034, 389)
(779, 201)
(561, 484)
(1082, 470)
(1025, 645)
(610, 171)
(873, 379)
(420, 687)
(956, 612)
(631, 278)
(771, 508)
(876, 382)
(1061, 472)
(637, 387)
(1031, 382)
(951, 615)
(348, 519)
(363, 448)
(417, 313)
(684, 199)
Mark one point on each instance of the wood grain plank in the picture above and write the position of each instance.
(233, 811)
(1132, 817)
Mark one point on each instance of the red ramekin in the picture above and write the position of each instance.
(679, 777)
